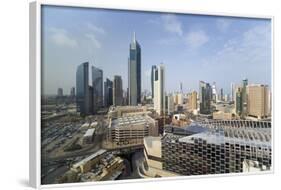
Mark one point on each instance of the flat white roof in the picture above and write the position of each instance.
(89, 132)
(85, 160)
(94, 124)
(85, 125)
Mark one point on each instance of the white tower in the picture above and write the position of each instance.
(159, 89)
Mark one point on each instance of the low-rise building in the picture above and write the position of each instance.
(120, 111)
(153, 158)
(180, 120)
(129, 131)
(88, 136)
(99, 166)
(216, 150)
(220, 115)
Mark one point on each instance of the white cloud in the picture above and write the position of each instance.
(96, 29)
(223, 24)
(196, 39)
(172, 24)
(93, 40)
(61, 37)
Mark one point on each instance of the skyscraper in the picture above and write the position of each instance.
(244, 97)
(72, 92)
(108, 93)
(60, 92)
(205, 95)
(97, 84)
(117, 91)
(238, 101)
(181, 91)
(214, 92)
(258, 101)
(152, 80)
(82, 89)
(221, 94)
(232, 89)
(192, 101)
(134, 72)
(159, 89)
(171, 105)
(91, 99)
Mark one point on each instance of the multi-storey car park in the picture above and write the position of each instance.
(223, 147)
(130, 130)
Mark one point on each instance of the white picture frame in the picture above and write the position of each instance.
(35, 88)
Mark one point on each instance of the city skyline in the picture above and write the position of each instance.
(192, 47)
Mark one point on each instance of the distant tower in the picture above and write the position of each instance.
(152, 80)
(134, 72)
(60, 92)
(193, 100)
(117, 91)
(214, 92)
(221, 94)
(72, 92)
(258, 101)
(82, 89)
(181, 87)
(232, 88)
(108, 93)
(159, 89)
(97, 80)
(171, 106)
(244, 97)
(205, 95)
(238, 101)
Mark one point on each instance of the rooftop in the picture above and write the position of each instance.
(87, 159)
(89, 132)
(130, 120)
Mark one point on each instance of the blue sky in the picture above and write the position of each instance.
(192, 47)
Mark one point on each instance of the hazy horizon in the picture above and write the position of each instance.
(217, 49)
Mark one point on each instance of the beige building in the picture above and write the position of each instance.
(130, 130)
(99, 166)
(220, 115)
(171, 106)
(159, 90)
(192, 101)
(258, 104)
(153, 161)
(120, 111)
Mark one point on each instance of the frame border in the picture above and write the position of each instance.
(35, 88)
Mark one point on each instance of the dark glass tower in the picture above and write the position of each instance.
(153, 68)
(205, 96)
(134, 72)
(108, 93)
(117, 91)
(239, 102)
(97, 80)
(82, 89)
(244, 97)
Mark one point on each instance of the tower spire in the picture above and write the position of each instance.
(134, 37)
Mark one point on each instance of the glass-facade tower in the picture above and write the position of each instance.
(134, 73)
(82, 89)
(97, 80)
(117, 91)
(205, 96)
(153, 68)
(108, 93)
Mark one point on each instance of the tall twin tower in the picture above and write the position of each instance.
(134, 72)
